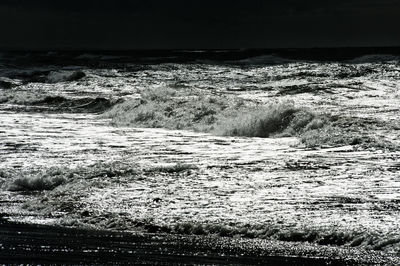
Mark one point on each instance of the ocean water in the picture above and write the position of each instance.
(239, 144)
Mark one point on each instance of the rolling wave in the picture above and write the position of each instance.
(375, 58)
(264, 60)
(37, 102)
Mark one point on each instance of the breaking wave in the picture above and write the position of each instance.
(223, 115)
(163, 107)
(265, 121)
(39, 181)
(229, 116)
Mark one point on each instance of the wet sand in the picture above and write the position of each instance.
(40, 244)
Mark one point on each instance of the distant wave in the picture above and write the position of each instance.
(37, 102)
(264, 60)
(98, 57)
(60, 76)
(93, 105)
(374, 58)
(6, 83)
(46, 75)
(87, 56)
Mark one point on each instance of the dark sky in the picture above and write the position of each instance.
(173, 24)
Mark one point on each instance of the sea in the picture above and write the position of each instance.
(296, 145)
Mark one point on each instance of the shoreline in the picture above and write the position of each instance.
(44, 244)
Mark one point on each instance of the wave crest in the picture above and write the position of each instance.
(374, 58)
(265, 60)
(166, 108)
(45, 180)
(60, 76)
(35, 102)
(7, 83)
(265, 121)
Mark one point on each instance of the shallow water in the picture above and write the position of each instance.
(180, 181)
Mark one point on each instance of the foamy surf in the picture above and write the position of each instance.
(297, 152)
